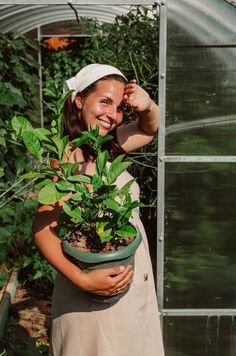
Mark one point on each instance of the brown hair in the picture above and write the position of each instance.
(74, 124)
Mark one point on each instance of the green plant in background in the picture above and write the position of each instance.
(132, 44)
(104, 209)
(18, 95)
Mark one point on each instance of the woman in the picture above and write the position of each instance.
(81, 327)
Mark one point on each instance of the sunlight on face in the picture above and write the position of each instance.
(103, 106)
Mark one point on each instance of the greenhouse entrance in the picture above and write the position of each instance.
(192, 213)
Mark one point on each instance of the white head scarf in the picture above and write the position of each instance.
(88, 75)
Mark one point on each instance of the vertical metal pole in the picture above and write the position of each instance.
(40, 78)
(161, 155)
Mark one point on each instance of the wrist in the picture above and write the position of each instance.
(150, 107)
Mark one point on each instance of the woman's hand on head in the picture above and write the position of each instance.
(107, 282)
(136, 97)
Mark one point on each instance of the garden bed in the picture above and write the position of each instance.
(28, 324)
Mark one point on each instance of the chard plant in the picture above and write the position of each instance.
(93, 203)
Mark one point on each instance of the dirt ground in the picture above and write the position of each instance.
(28, 329)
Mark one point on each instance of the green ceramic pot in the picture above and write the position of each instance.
(89, 261)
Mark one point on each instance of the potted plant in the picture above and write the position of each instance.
(95, 221)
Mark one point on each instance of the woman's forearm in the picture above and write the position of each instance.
(50, 246)
(149, 119)
(99, 281)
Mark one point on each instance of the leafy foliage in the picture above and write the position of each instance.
(131, 44)
(18, 96)
(95, 200)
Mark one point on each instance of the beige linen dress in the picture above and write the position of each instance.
(130, 327)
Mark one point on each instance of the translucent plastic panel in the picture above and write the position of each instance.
(200, 336)
(70, 27)
(201, 77)
(200, 243)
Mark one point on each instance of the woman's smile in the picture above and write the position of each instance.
(103, 106)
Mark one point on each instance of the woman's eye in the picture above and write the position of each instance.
(105, 101)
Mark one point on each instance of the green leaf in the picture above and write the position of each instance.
(127, 231)
(65, 186)
(116, 168)
(103, 231)
(21, 124)
(11, 95)
(38, 275)
(78, 197)
(62, 146)
(126, 187)
(42, 133)
(102, 139)
(32, 143)
(3, 279)
(31, 175)
(112, 204)
(80, 178)
(101, 161)
(88, 214)
(69, 168)
(49, 195)
(74, 213)
(44, 182)
(96, 182)
(4, 233)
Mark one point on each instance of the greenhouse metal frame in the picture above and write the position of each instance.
(162, 157)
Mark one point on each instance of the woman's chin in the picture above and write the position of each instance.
(103, 132)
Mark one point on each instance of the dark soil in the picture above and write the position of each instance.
(28, 329)
(87, 240)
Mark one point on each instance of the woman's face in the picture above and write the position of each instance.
(103, 106)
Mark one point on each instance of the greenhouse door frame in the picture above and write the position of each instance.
(161, 158)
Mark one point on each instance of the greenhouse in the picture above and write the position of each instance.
(183, 54)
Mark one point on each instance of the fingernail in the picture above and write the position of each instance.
(122, 268)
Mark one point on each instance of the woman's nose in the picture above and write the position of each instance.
(112, 112)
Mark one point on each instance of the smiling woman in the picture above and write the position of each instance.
(103, 106)
(81, 326)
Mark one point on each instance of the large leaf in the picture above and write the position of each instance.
(80, 178)
(62, 146)
(116, 168)
(126, 187)
(103, 231)
(78, 197)
(11, 96)
(42, 133)
(102, 139)
(32, 143)
(112, 204)
(74, 213)
(44, 182)
(69, 168)
(21, 124)
(101, 161)
(96, 182)
(49, 195)
(65, 186)
(127, 231)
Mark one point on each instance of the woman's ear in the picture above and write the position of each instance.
(79, 101)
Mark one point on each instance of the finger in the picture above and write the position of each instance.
(114, 271)
(121, 288)
(115, 280)
(124, 282)
(130, 86)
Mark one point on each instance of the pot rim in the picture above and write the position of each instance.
(95, 257)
